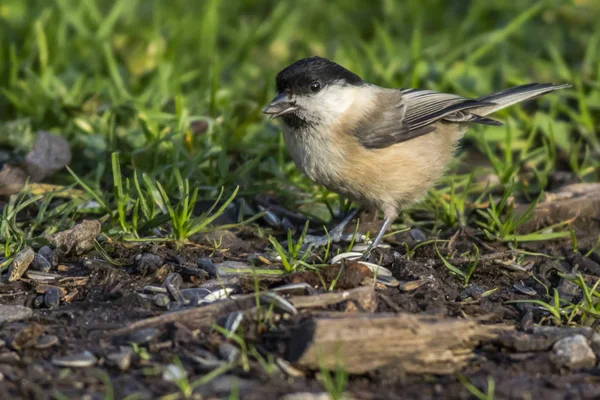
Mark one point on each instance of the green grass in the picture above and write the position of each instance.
(161, 104)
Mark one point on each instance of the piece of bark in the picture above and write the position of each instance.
(204, 317)
(359, 343)
(581, 200)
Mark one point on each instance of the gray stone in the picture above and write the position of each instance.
(573, 352)
(14, 313)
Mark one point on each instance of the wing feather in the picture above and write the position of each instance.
(412, 114)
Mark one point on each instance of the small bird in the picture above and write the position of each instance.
(381, 148)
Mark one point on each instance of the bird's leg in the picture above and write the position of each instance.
(386, 225)
(336, 234)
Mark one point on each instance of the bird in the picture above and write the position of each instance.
(382, 148)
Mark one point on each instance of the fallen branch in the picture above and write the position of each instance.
(204, 317)
(363, 342)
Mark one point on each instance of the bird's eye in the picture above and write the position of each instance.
(315, 86)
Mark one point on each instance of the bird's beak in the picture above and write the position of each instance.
(280, 105)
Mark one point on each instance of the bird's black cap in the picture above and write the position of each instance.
(298, 76)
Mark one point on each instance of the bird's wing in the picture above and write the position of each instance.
(410, 113)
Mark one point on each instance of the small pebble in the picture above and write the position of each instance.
(144, 336)
(474, 292)
(46, 341)
(38, 302)
(81, 360)
(147, 263)
(161, 300)
(14, 313)
(46, 252)
(11, 357)
(207, 265)
(573, 352)
(52, 297)
(525, 290)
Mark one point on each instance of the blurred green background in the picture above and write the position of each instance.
(178, 85)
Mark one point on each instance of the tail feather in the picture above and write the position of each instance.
(515, 95)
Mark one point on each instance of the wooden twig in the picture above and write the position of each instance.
(204, 317)
(363, 342)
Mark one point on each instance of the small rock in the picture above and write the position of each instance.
(38, 302)
(10, 357)
(147, 263)
(50, 153)
(122, 359)
(573, 352)
(46, 341)
(596, 343)
(52, 297)
(81, 360)
(14, 313)
(22, 261)
(40, 263)
(144, 336)
(46, 252)
(161, 299)
(474, 292)
(78, 239)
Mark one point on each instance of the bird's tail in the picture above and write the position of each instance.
(514, 95)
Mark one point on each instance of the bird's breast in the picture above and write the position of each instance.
(318, 156)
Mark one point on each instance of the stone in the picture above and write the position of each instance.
(14, 313)
(573, 352)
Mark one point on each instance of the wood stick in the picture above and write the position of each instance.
(363, 342)
(204, 317)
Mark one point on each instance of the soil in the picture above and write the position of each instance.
(101, 297)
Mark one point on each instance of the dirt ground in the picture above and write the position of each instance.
(98, 298)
